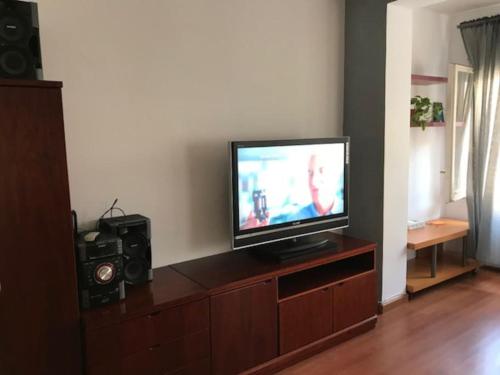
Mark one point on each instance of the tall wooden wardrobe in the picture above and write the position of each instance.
(39, 314)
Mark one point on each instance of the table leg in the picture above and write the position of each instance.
(440, 250)
(464, 251)
(434, 261)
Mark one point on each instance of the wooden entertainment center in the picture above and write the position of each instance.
(235, 312)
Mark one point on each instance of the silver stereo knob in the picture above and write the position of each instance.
(104, 273)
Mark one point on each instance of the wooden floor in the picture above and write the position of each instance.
(450, 329)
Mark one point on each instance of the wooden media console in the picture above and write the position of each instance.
(236, 313)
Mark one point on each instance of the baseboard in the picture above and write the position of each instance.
(490, 267)
(288, 359)
(392, 303)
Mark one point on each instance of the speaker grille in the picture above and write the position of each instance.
(14, 62)
(135, 270)
(134, 245)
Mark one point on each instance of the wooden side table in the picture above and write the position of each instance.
(434, 235)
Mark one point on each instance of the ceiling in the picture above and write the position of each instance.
(455, 6)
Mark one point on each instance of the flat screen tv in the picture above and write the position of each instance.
(288, 189)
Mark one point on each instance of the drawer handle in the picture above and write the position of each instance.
(150, 316)
(154, 347)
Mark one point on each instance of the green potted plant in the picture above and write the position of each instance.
(421, 111)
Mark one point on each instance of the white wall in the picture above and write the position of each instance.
(396, 151)
(435, 43)
(457, 55)
(154, 90)
(426, 186)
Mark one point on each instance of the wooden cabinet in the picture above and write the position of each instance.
(120, 340)
(146, 361)
(313, 315)
(234, 312)
(305, 319)
(187, 350)
(161, 328)
(158, 343)
(198, 368)
(266, 315)
(182, 320)
(175, 340)
(244, 328)
(354, 300)
(39, 313)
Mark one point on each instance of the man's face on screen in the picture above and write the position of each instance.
(321, 183)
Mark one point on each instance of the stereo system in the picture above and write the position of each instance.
(20, 54)
(100, 269)
(118, 254)
(135, 234)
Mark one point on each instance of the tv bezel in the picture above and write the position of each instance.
(277, 232)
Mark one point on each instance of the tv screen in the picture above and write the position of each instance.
(284, 189)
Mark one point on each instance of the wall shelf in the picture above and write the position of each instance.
(423, 80)
(431, 125)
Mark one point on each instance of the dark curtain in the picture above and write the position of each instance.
(482, 44)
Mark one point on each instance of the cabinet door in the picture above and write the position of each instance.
(305, 319)
(144, 362)
(185, 352)
(182, 320)
(198, 368)
(354, 301)
(119, 340)
(244, 328)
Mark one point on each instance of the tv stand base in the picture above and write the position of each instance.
(294, 248)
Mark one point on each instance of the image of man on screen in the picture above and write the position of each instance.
(322, 179)
(323, 183)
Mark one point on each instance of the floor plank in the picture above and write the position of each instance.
(451, 329)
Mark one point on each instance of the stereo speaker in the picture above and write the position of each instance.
(20, 54)
(135, 233)
(100, 269)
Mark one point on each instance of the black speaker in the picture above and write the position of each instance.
(135, 233)
(20, 55)
(100, 269)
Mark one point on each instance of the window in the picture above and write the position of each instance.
(461, 80)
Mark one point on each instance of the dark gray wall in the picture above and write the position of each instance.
(364, 117)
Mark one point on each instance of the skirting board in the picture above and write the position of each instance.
(288, 359)
(392, 302)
